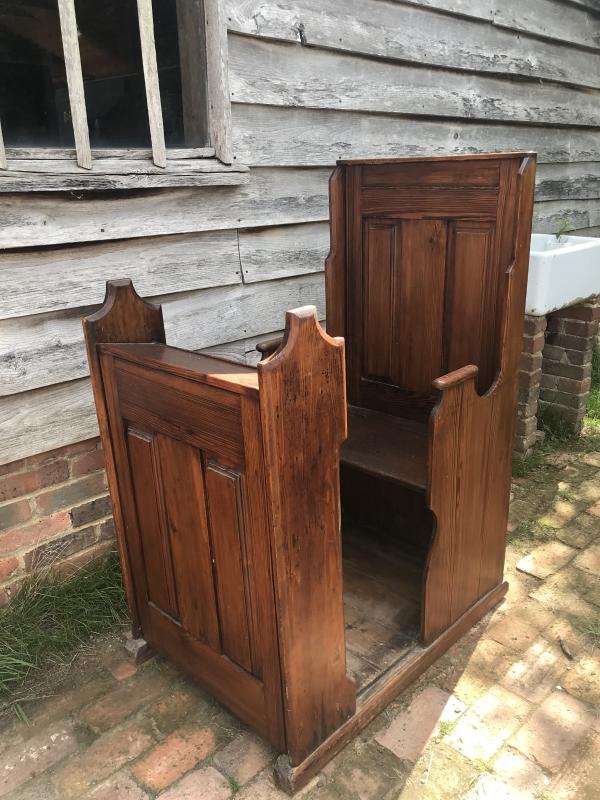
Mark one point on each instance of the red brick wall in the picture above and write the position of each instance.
(54, 511)
(556, 368)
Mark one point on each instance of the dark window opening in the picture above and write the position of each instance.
(34, 99)
(113, 79)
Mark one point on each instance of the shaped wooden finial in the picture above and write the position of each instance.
(124, 317)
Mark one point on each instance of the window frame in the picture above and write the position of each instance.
(49, 168)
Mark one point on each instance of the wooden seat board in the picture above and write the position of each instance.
(213, 371)
(387, 447)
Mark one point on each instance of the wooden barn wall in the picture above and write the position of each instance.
(311, 81)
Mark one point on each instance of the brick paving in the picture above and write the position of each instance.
(512, 712)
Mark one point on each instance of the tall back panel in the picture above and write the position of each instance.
(427, 246)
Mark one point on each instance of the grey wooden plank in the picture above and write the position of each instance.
(278, 252)
(572, 22)
(270, 135)
(550, 19)
(548, 216)
(56, 279)
(242, 351)
(43, 420)
(590, 5)
(126, 153)
(477, 9)
(415, 34)
(272, 197)
(568, 181)
(57, 180)
(219, 106)
(47, 349)
(70, 42)
(116, 166)
(595, 232)
(272, 73)
(153, 101)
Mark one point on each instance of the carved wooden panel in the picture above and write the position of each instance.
(425, 277)
(196, 528)
(228, 533)
(472, 295)
(191, 518)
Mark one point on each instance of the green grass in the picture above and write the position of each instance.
(447, 726)
(524, 465)
(559, 434)
(593, 409)
(532, 531)
(591, 629)
(50, 618)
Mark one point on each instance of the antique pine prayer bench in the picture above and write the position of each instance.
(306, 537)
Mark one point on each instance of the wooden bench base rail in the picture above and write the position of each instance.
(378, 695)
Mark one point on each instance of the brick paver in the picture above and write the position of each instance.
(589, 560)
(171, 759)
(546, 559)
(520, 775)
(553, 730)
(410, 730)
(512, 712)
(537, 672)
(22, 762)
(119, 787)
(244, 757)
(105, 756)
(514, 632)
(117, 705)
(482, 731)
(204, 784)
(583, 681)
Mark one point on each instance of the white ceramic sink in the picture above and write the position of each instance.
(562, 272)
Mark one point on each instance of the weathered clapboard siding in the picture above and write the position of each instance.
(272, 197)
(47, 418)
(311, 81)
(568, 181)
(272, 253)
(415, 34)
(547, 18)
(39, 281)
(550, 19)
(547, 217)
(47, 349)
(270, 73)
(269, 135)
(242, 350)
(108, 174)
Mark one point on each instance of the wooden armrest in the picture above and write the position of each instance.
(456, 377)
(269, 346)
